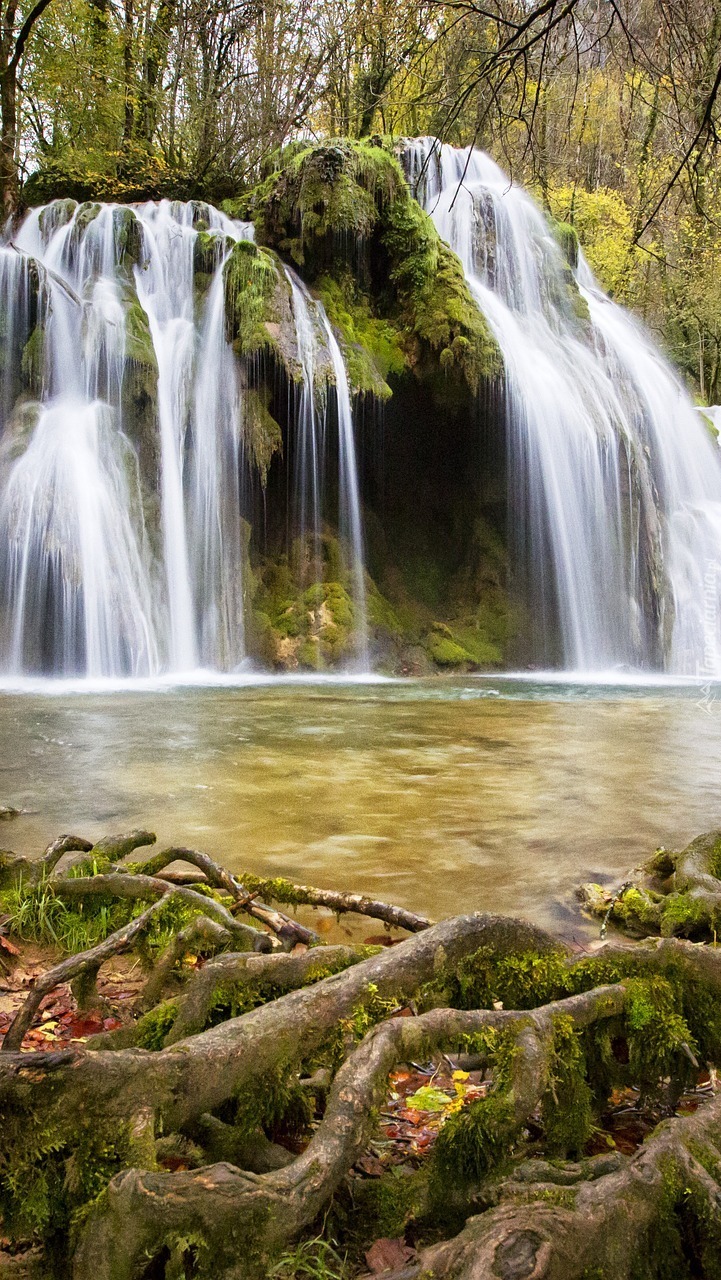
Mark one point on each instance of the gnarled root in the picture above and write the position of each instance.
(672, 894)
(144, 1212)
(633, 1221)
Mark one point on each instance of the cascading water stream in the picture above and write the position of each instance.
(83, 590)
(614, 483)
(124, 482)
(351, 526)
(311, 322)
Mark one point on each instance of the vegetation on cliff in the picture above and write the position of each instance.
(343, 213)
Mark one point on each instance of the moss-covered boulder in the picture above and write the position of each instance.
(343, 213)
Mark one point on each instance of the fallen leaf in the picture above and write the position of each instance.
(9, 946)
(388, 1255)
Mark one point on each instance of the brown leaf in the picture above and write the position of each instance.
(388, 1255)
(7, 945)
(371, 1165)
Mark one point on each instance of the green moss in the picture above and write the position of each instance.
(434, 298)
(321, 617)
(683, 916)
(383, 1207)
(372, 348)
(153, 1027)
(567, 238)
(480, 1137)
(326, 197)
(251, 304)
(344, 213)
(32, 361)
(262, 433)
(445, 652)
(46, 1187)
(138, 340)
(128, 238)
(567, 1104)
(276, 1104)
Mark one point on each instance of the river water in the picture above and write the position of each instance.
(446, 795)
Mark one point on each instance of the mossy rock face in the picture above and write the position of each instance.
(208, 251)
(128, 238)
(303, 612)
(138, 340)
(326, 198)
(32, 361)
(55, 215)
(397, 295)
(251, 278)
(262, 433)
(373, 348)
(567, 239)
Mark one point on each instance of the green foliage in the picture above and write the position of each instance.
(567, 1105)
(37, 915)
(131, 172)
(372, 348)
(316, 1259)
(46, 1186)
(251, 281)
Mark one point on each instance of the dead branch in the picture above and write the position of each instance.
(357, 903)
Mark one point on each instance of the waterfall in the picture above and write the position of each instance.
(614, 481)
(311, 322)
(124, 482)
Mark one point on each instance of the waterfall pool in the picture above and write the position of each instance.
(447, 795)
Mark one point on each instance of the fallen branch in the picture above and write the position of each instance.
(279, 890)
(289, 931)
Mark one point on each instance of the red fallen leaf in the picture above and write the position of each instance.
(413, 1117)
(7, 945)
(111, 1024)
(388, 1255)
(403, 1013)
(392, 1131)
(85, 1026)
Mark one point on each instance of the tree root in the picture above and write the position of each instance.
(237, 1050)
(143, 1212)
(629, 1221)
(87, 963)
(674, 894)
(287, 930)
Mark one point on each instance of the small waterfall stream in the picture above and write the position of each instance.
(102, 573)
(312, 326)
(614, 482)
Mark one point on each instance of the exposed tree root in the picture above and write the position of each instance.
(144, 1212)
(634, 1221)
(672, 894)
(161, 1142)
